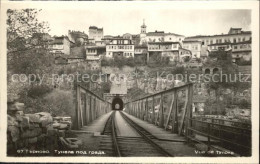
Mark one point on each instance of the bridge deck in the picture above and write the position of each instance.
(97, 125)
(160, 133)
(173, 143)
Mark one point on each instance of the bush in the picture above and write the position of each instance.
(60, 103)
(38, 91)
(119, 61)
(243, 104)
(140, 60)
(130, 62)
(106, 62)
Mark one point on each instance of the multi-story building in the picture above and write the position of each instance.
(194, 46)
(158, 36)
(120, 47)
(95, 33)
(236, 40)
(233, 36)
(241, 51)
(60, 45)
(217, 46)
(169, 49)
(95, 52)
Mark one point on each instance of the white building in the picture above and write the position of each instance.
(120, 47)
(169, 49)
(95, 33)
(158, 36)
(194, 47)
(233, 36)
(60, 45)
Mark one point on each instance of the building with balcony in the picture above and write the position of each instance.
(241, 51)
(118, 46)
(95, 52)
(194, 46)
(164, 49)
(60, 45)
(233, 36)
(223, 46)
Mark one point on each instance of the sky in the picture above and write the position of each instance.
(117, 21)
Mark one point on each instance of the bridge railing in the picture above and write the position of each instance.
(218, 134)
(164, 109)
(89, 106)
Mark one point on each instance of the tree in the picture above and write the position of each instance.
(27, 42)
(28, 49)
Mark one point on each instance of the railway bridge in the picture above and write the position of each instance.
(163, 124)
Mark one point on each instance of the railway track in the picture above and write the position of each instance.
(123, 146)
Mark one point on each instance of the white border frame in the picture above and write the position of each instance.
(252, 5)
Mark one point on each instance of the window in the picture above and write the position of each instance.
(239, 39)
(235, 47)
(211, 41)
(234, 40)
(244, 39)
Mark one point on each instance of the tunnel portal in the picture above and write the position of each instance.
(117, 104)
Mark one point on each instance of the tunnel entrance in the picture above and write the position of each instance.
(117, 104)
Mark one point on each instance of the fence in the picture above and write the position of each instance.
(162, 108)
(219, 133)
(89, 106)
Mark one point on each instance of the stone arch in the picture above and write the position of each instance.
(117, 104)
(207, 71)
(215, 70)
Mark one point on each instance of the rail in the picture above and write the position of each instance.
(89, 106)
(114, 136)
(143, 134)
(168, 116)
(163, 109)
(236, 139)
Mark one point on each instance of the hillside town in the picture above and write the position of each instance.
(45, 100)
(154, 51)
(180, 49)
